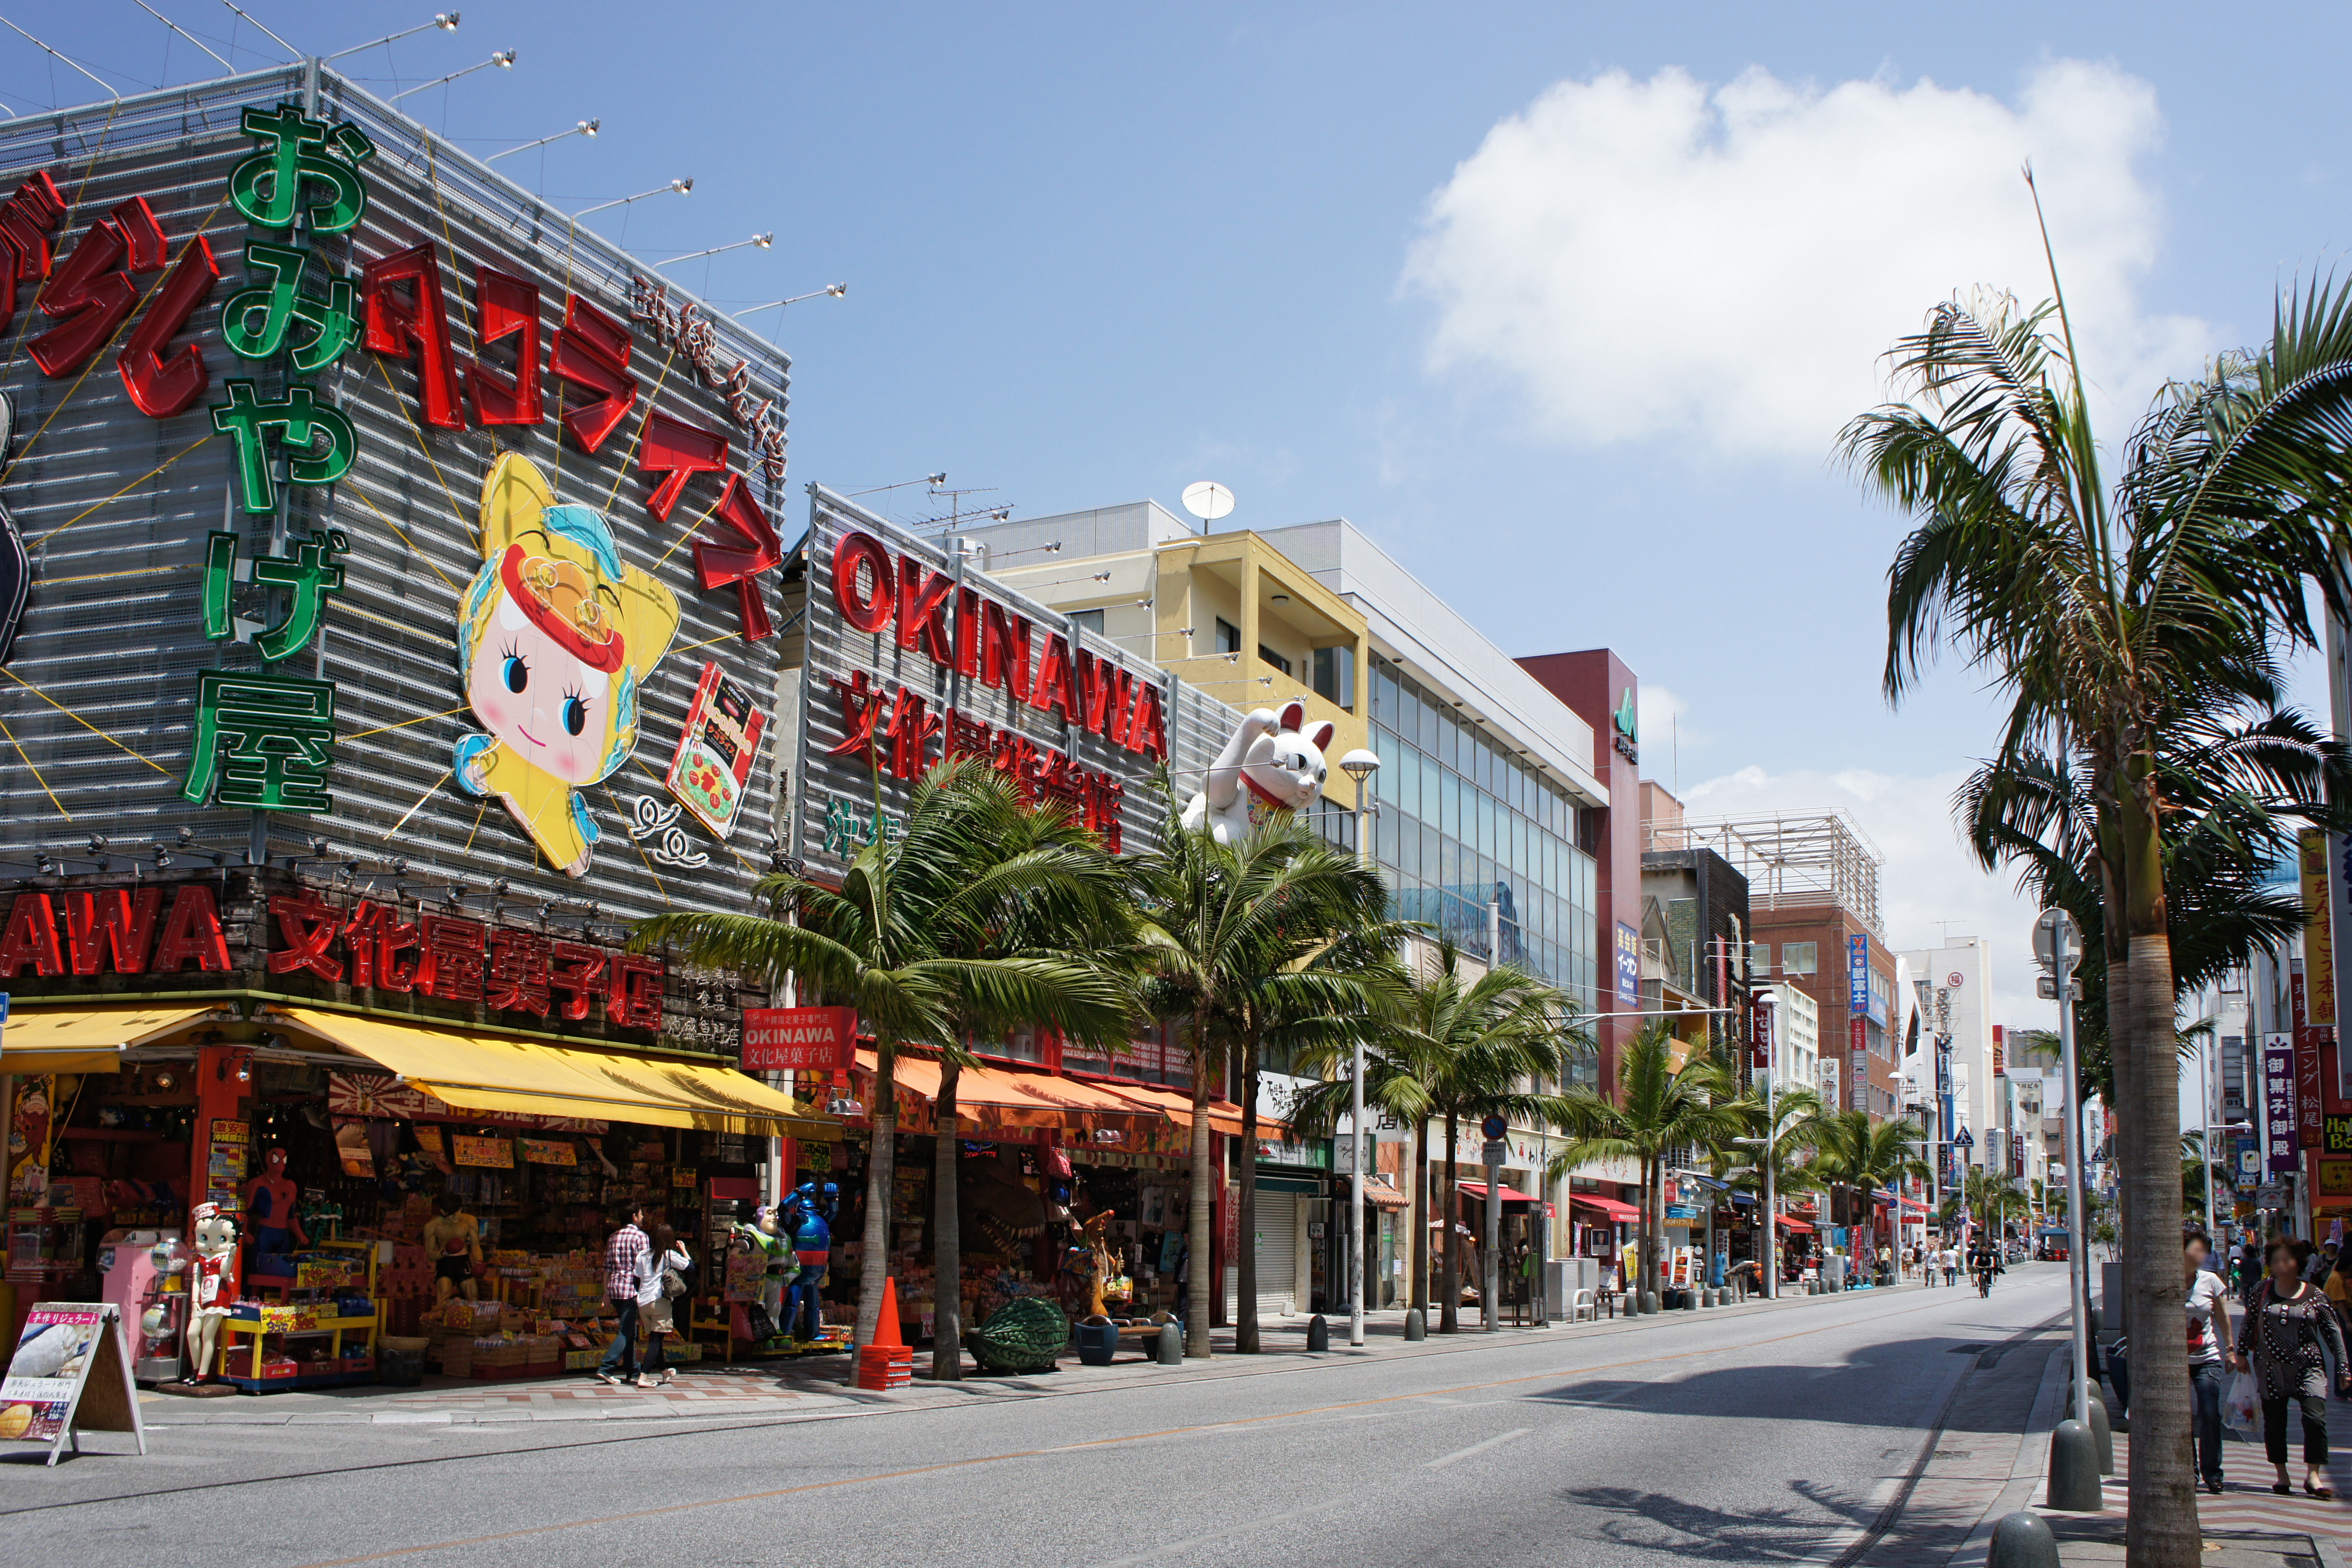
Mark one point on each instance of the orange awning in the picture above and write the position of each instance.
(1224, 1116)
(1003, 1097)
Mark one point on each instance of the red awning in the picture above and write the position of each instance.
(1479, 1190)
(1381, 1196)
(1914, 1206)
(1609, 1208)
(1797, 1225)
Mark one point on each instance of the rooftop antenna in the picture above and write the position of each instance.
(68, 60)
(184, 33)
(273, 38)
(1208, 501)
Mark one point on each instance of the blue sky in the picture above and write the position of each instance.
(1578, 373)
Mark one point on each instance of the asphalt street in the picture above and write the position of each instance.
(1778, 1436)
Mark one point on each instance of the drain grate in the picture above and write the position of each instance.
(1953, 1452)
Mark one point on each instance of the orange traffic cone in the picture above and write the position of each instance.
(889, 1362)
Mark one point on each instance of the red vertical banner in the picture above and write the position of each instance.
(2310, 1123)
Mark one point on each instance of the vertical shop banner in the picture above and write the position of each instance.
(32, 1128)
(2318, 930)
(224, 1158)
(2282, 1147)
(1857, 976)
(67, 1375)
(2308, 1109)
(2339, 845)
(1629, 965)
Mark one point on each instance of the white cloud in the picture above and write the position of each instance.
(1644, 257)
(1928, 877)
(1662, 710)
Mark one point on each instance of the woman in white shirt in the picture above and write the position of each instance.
(665, 1261)
(2208, 1332)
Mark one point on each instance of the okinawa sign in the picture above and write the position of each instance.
(359, 511)
(912, 659)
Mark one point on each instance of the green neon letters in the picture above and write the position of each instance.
(299, 418)
(254, 323)
(263, 742)
(268, 187)
(309, 576)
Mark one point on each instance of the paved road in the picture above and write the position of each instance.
(1772, 1437)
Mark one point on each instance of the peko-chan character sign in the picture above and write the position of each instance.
(555, 639)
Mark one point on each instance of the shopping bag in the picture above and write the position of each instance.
(2240, 1406)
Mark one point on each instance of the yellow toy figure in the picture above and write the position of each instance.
(555, 645)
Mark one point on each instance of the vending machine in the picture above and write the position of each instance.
(145, 1275)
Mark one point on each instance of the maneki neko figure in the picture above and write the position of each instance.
(556, 637)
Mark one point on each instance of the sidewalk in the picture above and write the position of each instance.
(1960, 1494)
(815, 1386)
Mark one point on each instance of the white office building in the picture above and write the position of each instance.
(1953, 986)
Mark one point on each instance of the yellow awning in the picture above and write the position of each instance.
(82, 1039)
(498, 1073)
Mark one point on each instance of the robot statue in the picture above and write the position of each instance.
(760, 1265)
(809, 1216)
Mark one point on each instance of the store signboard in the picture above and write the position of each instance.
(800, 1040)
(1857, 976)
(68, 1374)
(912, 657)
(549, 1151)
(2283, 1147)
(429, 491)
(1629, 965)
(485, 1153)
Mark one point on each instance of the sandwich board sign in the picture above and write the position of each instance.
(68, 1375)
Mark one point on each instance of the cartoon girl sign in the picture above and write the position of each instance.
(555, 640)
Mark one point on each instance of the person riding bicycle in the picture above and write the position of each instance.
(1982, 1267)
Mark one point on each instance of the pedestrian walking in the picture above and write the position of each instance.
(1951, 1260)
(2209, 1331)
(625, 1256)
(2288, 1334)
(662, 1284)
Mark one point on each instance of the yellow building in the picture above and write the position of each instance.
(1226, 612)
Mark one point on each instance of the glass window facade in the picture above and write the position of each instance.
(1463, 822)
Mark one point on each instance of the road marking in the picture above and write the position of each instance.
(680, 1429)
(1494, 1442)
(1172, 1548)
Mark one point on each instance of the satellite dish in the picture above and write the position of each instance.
(1207, 500)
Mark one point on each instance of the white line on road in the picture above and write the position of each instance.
(1494, 1442)
(1172, 1548)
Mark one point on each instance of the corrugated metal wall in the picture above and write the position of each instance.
(111, 637)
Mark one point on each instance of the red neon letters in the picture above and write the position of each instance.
(415, 326)
(510, 308)
(592, 352)
(161, 387)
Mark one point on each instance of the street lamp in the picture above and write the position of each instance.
(683, 187)
(2058, 949)
(1360, 765)
(837, 289)
(763, 240)
(502, 58)
(446, 21)
(587, 127)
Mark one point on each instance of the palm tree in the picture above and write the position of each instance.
(1865, 1156)
(1241, 940)
(1990, 1197)
(892, 940)
(2192, 1174)
(1458, 1049)
(1037, 885)
(2108, 618)
(1657, 1110)
(1784, 1140)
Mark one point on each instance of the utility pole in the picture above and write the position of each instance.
(2058, 948)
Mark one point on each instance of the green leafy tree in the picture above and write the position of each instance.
(1659, 1108)
(1457, 1046)
(1865, 1156)
(1784, 1139)
(1239, 941)
(899, 940)
(2107, 616)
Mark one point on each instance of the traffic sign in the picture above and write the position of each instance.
(1965, 1139)
(1494, 1127)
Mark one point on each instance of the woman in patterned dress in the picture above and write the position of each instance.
(2284, 1330)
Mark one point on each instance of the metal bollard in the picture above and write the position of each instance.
(1318, 1335)
(1172, 1345)
(1416, 1326)
(1649, 1303)
(2073, 1469)
(2022, 1540)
